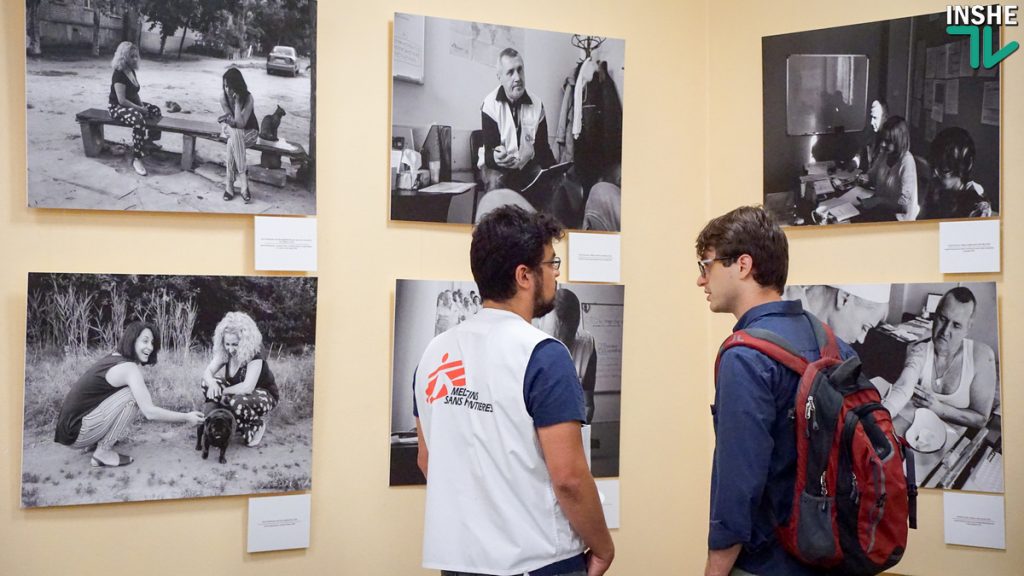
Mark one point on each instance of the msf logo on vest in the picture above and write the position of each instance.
(977, 22)
(447, 376)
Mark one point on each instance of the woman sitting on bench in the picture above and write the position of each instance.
(242, 130)
(126, 107)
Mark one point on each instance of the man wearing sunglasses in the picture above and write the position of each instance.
(743, 262)
(498, 408)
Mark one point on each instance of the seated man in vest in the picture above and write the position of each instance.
(516, 146)
(950, 374)
(498, 408)
(515, 129)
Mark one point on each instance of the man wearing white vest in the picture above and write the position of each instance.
(515, 129)
(498, 410)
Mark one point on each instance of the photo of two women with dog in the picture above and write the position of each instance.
(159, 387)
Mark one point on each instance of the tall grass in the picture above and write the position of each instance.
(174, 382)
(70, 320)
(174, 318)
(111, 332)
(74, 320)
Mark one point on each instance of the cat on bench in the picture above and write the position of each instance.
(268, 131)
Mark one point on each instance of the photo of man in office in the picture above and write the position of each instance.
(883, 121)
(470, 134)
(949, 373)
(932, 350)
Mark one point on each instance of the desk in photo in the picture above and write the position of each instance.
(428, 204)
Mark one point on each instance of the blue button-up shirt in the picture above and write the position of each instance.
(754, 468)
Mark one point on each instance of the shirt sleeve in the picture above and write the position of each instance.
(745, 411)
(908, 184)
(415, 409)
(551, 387)
(590, 375)
(119, 77)
(542, 147)
(492, 139)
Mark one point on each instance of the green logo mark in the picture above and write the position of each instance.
(983, 42)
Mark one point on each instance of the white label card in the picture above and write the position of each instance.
(971, 246)
(608, 491)
(279, 523)
(595, 257)
(285, 244)
(974, 520)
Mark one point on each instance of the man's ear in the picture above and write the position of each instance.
(841, 298)
(745, 264)
(524, 277)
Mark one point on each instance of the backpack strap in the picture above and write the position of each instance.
(768, 343)
(777, 348)
(908, 458)
(828, 347)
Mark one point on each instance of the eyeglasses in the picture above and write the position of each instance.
(703, 265)
(555, 263)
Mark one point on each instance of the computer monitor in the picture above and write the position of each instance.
(930, 304)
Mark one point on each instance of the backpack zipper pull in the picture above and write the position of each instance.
(854, 492)
(809, 415)
(824, 491)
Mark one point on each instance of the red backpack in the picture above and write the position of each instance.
(852, 502)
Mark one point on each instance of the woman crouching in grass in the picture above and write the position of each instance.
(102, 404)
(245, 384)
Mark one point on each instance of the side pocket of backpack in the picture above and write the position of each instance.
(814, 535)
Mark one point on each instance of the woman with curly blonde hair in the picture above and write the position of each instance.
(245, 385)
(125, 105)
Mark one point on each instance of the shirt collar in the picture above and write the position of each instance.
(502, 97)
(782, 307)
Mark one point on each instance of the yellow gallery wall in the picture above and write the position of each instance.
(873, 253)
(359, 524)
(692, 149)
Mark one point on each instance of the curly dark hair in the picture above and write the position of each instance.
(749, 230)
(504, 239)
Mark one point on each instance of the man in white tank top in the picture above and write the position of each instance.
(498, 408)
(950, 374)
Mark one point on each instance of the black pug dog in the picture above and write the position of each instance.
(216, 430)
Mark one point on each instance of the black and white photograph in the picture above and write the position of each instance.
(485, 115)
(171, 105)
(150, 387)
(932, 350)
(587, 318)
(879, 122)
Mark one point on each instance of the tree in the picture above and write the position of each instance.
(131, 21)
(169, 15)
(32, 26)
(96, 18)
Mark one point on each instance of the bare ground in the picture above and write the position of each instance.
(166, 466)
(61, 176)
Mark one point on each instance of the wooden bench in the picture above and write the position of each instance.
(93, 120)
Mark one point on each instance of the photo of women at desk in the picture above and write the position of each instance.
(587, 319)
(932, 351)
(485, 115)
(878, 122)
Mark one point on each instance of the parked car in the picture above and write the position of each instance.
(283, 59)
